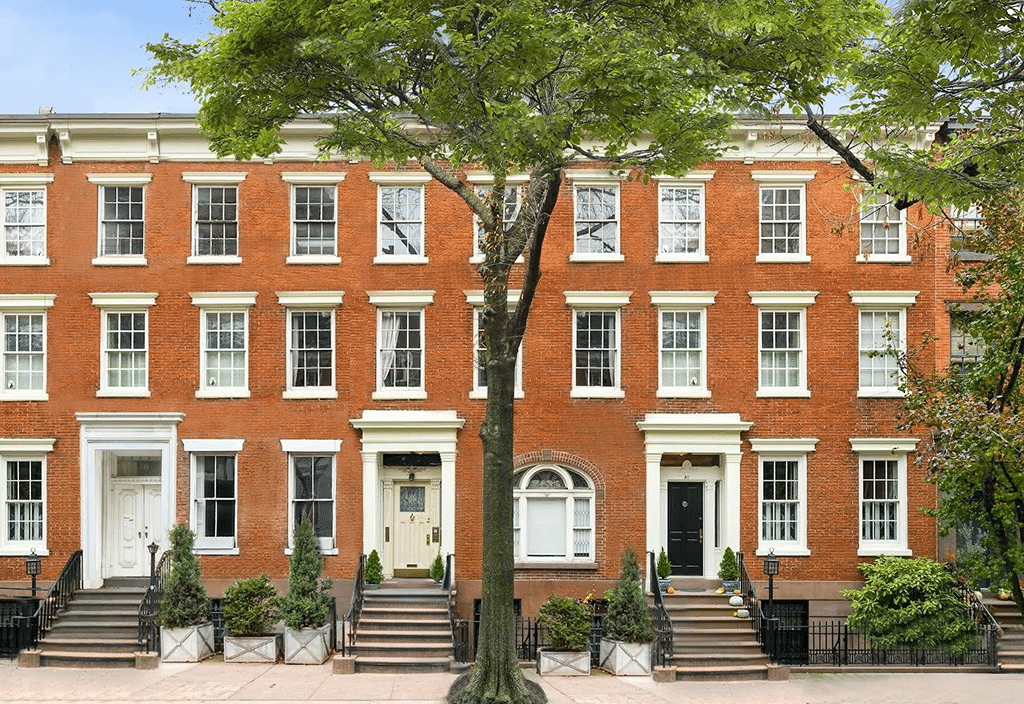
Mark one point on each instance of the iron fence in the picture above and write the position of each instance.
(17, 625)
(531, 636)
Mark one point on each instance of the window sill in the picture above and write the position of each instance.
(25, 261)
(399, 395)
(400, 259)
(782, 550)
(877, 551)
(683, 392)
(24, 550)
(479, 259)
(222, 393)
(588, 257)
(216, 551)
(24, 396)
(973, 256)
(555, 565)
(119, 261)
(879, 392)
(597, 392)
(682, 259)
(782, 393)
(782, 259)
(209, 259)
(481, 394)
(322, 551)
(310, 394)
(123, 393)
(312, 259)
(884, 259)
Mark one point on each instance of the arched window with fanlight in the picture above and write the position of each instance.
(553, 515)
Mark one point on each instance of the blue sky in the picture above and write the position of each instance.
(77, 55)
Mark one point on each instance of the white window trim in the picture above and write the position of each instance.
(784, 179)
(486, 178)
(902, 258)
(318, 301)
(784, 302)
(324, 179)
(206, 447)
(524, 560)
(688, 301)
(20, 182)
(784, 449)
(293, 448)
(227, 302)
(898, 301)
(24, 449)
(408, 180)
(396, 302)
(598, 301)
(214, 179)
(28, 304)
(884, 449)
(693, 179)
(476, 299)
(122, 303)
(587, 178)
(102, 181)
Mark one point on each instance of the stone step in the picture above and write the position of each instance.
(408, 613)
(58, 643)
(403, 649)
(94, 629)
(723, 673)
(717, 659)
(378, 636)
(403, 624)
(744, 649)
(86, 659)
(106, 614)
(402, 665)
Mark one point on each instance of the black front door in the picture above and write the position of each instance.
(686, 527)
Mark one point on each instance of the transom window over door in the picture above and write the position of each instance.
(553, 515)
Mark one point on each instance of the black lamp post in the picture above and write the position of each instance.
(33, 566)
(771, 568)
(153, 547)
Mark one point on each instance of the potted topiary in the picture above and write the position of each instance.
(251, 608)
(664, 572)
(186, 632)
(437, 569)
(729, 572)
(306, 608)
(373, 573)
(568, 639)
(628, 631)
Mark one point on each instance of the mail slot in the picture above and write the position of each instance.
(435, 534)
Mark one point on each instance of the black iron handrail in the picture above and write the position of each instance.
(61, 592)
(459, 626)
(149, 630)
(355, 609)
(663, 646)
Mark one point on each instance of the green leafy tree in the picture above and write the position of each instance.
(518, 87)
(567, 622)
(664, 566)
(184, 601)
(307, 604)
(373, 573)
(911, 603)
(629, 617)
(251, 607)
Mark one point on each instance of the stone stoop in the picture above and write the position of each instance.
(709, 643)
(404, 627)
(99, 628)
(1009, 648)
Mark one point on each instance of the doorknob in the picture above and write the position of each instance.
(702, 535)
(428, 538)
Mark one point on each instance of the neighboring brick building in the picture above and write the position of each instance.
(227, 344)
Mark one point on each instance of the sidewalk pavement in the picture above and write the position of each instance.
(215, 681)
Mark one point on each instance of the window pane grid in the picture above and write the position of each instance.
(581, 531)
(681, 349)
(24, 360)
(513, 203)
(217, 221)
(401, 221)
(558, 508)
(314, 220)
(781, 220)
(880, 224)
(597, 220)
(24, 500)
(314, 493)
(225, 349)
(680, 220)
(123, 224)
(596, 349)
(880, 501)
(402, 349)
(218, 496)
(879, 331)
(781, 349)
(25, 223)
(312, 349)
(126, 350)
(780, 500)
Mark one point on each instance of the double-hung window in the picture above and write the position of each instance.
(883, 338)
(783, 215)
(964, 348)
(782, 341)
(310, 343)
(400, 343)
(883, 233)
(401, 217)
(883, 494)
(311, 489)
(122, 219)
(124, 342)
(23, 348)
(23, 199)
(968, 236)
(314, 216)
(553, 515)
(512, 201)
(23, 495)
(596, 222)
(782, 494)
(223, 344)
(476, 299)
(681, 217)
(597, 342)
(214, 510)
(215, 232)
(682, 342)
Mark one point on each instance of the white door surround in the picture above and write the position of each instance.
(106, 435)
(409, 533)
(698, 433)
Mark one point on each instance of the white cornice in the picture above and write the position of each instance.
(390, 299)
(310, 299)
(683, 299)
(123, 300)
(119, 179)
(205, 177)
(25, 179)
(316, 178)
(597, 299)
(26, 301)
(781, 299)
(399, 178)
(893, 446)
(476, 298)
(883, 299)
(765, 446)
(224, 299)
(26, 446)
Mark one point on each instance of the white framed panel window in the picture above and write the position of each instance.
(553, 515)
(122, 219)
(23, 495)
(782, 494)
(782, 215)
(596, 221)
(483, 182)
(476, 299)
(597, 343)
(681, 217)
(23, 347)
(883, 231)
(882, 480)
(314, 216)
(401, 348)
(401, 217)
(312, 486)
(882, 337)
(310, 343)
(23, 199)
(782, 342)
(214, 507)
(215, 217)
(682, 343)
(223, 343)
(124, 343)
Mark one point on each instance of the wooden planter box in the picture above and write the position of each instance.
(186, 644)
(307, 646)
(621, 658)
(253, 648)
(555, 662)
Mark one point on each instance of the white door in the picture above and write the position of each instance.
(415, 521)
(132, 514)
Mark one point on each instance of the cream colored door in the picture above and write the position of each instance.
(132, 515)
(415, 520)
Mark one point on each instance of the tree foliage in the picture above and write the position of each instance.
(374, 571)
(567, 622)
(629, 617)
(184, 601)
(307, 603)
(251, 607)
(728, 569)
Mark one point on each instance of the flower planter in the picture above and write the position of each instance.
(253, 648)
(307, 646)
(730, 585)
(555, 662)
(190, 644)
(621, 658)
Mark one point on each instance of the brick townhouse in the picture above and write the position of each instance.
(230, 344)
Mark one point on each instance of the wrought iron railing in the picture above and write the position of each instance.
(149, 630)
(459, 626)
(662, 647)
(531, 636)
(17, 624)
(61, 592)
(355, 609)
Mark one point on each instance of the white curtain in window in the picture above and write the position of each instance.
(545, 527)
(388, 341)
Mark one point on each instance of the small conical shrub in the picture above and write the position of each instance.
(307, 604)
(628, 618)
(374, 572)
(184, 602)
(251, 607)
(437, 569)
(729, 570)
(664, 566)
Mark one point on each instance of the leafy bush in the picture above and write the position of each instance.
(184, 602)
(568, 624)
(373, 573)
(664, 566)
(729, 570)
(911, 603)
(437, 569)
(251, 607)
(307, 604)
(628, 618)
